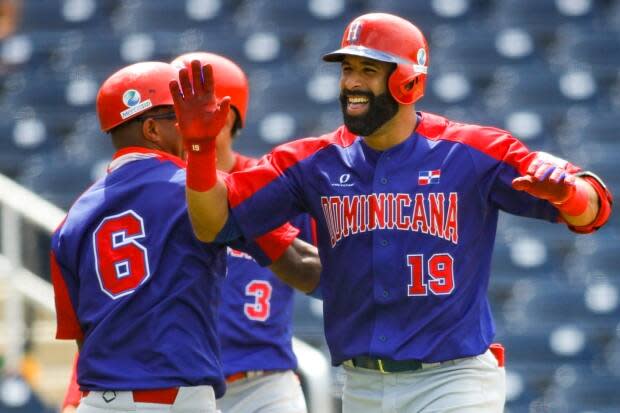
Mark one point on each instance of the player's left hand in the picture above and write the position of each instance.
(200, 116)
(546, 180)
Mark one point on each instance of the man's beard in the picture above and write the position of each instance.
(381, 109)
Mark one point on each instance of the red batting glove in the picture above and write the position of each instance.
(554, 183)
(200, 119)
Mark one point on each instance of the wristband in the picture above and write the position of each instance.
(577, 203)
(605, 204)
(201, 170)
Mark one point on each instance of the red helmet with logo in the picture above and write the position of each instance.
(134, 90)
(229, 79)
(392, 39)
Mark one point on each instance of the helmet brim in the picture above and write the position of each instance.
(362, 51)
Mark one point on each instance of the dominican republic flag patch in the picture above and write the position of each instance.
(429, 177)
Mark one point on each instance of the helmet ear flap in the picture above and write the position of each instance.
(405, 85)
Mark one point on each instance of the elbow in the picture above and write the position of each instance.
(204, 236)
(203, 232)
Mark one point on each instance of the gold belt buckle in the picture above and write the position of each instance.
(380, 363)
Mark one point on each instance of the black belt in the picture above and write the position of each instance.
(387, 365)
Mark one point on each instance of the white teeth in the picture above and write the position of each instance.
(357, 99)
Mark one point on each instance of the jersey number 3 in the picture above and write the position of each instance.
(261, 307)
(121, 262)
(440, 274)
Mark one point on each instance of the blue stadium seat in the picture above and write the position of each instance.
(598, 50)
(581, 390)
(22, 137)
(579, 305)
(55, 15)
(537, 88)
(523, 387)
(57, 178)
(546, 16)
(152, 15)
(53, 93)
(295, 18)
(540, 350)
(19, 397)
(428, 14)
(96, 51)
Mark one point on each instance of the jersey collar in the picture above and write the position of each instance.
(135, 153)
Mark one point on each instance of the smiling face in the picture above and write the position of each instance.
(365, 101)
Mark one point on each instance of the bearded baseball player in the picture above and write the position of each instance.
(406, 205)
(133, 285)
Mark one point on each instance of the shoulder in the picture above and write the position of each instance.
(243, 162)
(492, 141)
(303, 148)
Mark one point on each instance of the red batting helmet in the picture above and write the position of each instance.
(392, 39)
(228, 78)
(134, 90)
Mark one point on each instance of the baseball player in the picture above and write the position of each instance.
(406, 205)
(256, 308)
(132, 284)
(255, 315)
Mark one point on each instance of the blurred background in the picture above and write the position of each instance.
(546, 70)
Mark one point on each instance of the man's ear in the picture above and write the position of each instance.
(150, 130)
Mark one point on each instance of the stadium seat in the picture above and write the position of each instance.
(578, 390)
(546, 16)
(477, 51)
(429, 14)
(59, 179)
(55, 15)
(146, 16)
(295, 18)
(538, 88)
(21, 137)
(18, 396)
(598, 50)
(591, 306)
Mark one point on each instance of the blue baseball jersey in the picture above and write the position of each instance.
(133, 282)
(255, 314)
(405, 235)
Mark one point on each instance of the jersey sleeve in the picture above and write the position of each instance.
(267, 248)
(498, 158)
(267, 195)
(65, 296)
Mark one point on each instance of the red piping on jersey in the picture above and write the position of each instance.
(287, 155)
(68, 326)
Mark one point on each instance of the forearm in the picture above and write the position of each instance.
(299, 266)
(208, 210)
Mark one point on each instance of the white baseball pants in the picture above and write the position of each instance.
(468, 385)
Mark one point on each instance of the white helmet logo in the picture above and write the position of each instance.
(354, 32)
(131, 97)
(421, 56)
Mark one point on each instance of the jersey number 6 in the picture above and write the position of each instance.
(120, 261)
(440, 274)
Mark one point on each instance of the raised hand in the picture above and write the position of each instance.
(200, 116)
